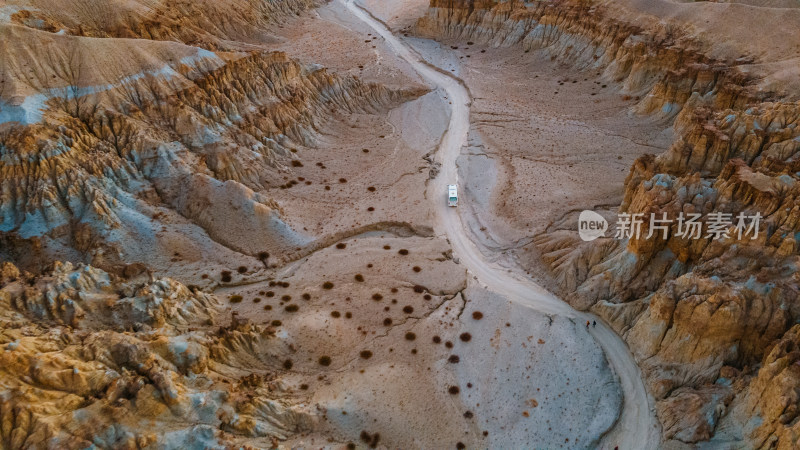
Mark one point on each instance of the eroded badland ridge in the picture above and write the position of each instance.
(208, 239)
(713, 324)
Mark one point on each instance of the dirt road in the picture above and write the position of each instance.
(637, 427)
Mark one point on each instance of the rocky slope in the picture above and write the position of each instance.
(710, 321)
(89, 358)
(162, 136)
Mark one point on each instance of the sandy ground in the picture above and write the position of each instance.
(509, 384)
(522, 377)
(544, 141)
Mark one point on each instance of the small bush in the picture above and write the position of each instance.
(291, 308)
(235, 298)
(296, 163)
(437, 339)
(419, 289)
(377, 297)
(387, 321)
(359, 278)
(348, 315)
(267, 307)
(257, 300)
(453, 390)
(408, 309)
(477, 315)
(306, 296)
(336, 314)
(269, 294)
(327, 285)
(242, 269)
(453, 359)
(276, 323)
(410, 336)
(325, 361)
(466, 337)
(417, 269)
(225, 276)
(288, 364)
(341, 245)
(365, 354)
(402, 251)
(286, 298)
(263, 256)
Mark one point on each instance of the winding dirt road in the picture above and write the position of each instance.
(637, 427)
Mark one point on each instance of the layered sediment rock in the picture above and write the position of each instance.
(96, 169)
(89, 358)
(709, 320)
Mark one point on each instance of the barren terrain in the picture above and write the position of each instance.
(223, 224)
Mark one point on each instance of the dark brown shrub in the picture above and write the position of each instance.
(410, 336)
(417, 269)
(477, 315)
(402, 251)
(291, 308)
(437, 339)
(408, 309)
(235, 298)
(276, 323)
(325, 361)
(366, 354)
(257, 300)
(466, 337)
(377, 297)
(327, 285)
(288, 364)
(453, 390)
(336, 314)
(453, 359)
(225, 276)
(242, 269)
(387, 321)
(359, 278)
(341, 245)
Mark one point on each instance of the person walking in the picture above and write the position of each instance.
(594, 323)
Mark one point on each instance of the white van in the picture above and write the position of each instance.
(452, 195)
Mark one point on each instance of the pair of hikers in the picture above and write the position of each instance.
(594, 323)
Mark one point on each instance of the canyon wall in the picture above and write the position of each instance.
(97, 157)
(712, 322)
